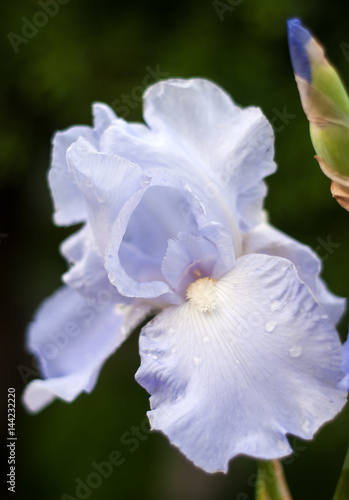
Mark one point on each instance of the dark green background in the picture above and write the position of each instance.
(97, 51)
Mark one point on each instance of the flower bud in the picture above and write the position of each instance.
(324, 100)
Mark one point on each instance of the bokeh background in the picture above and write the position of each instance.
(99, 51)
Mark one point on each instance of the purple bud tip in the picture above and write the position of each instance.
(298, 37)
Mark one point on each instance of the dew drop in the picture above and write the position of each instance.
(275, 305)
(205, 340)
(295, 351)
(88, 182)
(100, 199)
(270, 325)
(197, 361)
(174, 349)
(153, 355)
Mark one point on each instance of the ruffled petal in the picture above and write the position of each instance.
(344, 383)
(266, 239)
(68, 199)
(166, 208)
(232, 146)
(107, 183)
(71, 339)
(103, 117)
(87, 275)
(263, 362)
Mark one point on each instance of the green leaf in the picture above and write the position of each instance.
(342, 491)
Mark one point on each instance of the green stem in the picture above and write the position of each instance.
(271, 483)
(342, 491)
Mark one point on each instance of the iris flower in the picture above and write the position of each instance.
(242, 349)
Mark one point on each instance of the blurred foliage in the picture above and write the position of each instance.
(97, 51)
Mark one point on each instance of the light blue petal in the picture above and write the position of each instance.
(87, 275)
(344, 383)
(165, 209)
(266, 239)
(107, 183)
(222, 151)
(263, 363)
(71, 339)
(298, 38)
(231, 149)
(68, 200)
(103, 117)
(188, 256)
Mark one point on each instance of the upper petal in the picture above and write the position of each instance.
(67, 197)
(264, 238)
(236, 379)
(71, 339)
(107, 183)
(232, 146)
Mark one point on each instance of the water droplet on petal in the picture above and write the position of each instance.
(88, 182)
(205, 340)
(153, 355)
(174, 349)
(275, 305)
(270, 325)
(197, 361)
(100, 198)
(295, 351)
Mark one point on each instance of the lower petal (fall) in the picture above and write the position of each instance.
(263, 362)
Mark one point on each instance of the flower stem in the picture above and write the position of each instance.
(271, 483)
(342, 491)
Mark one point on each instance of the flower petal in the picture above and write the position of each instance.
(232, 146)
(186, 255)
(166, 208)
(263, 363)
(87, 275)
(266, 239)
(107, 182)
(344, 383)
(68, 200)
(71, 339)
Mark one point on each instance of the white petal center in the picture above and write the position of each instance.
(202, 293)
